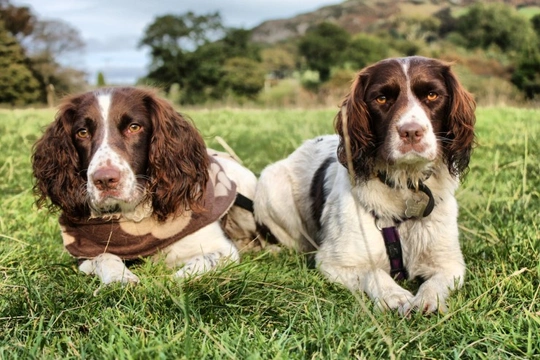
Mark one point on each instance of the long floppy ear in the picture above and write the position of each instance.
(55, 164)
(459, 128)
(178, 161)
(357, 127)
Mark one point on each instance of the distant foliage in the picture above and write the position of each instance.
(243, 76)
(278, 62)
(485, 25)
(527, 73)
(100, 82)
(194, 51)
(323, 47)
(365, 49)
(41, 43)
(18, 86)
(535, 21)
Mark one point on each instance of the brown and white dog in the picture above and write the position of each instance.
(133, 178)
(405, 135)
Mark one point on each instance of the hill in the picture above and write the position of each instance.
(362, 16)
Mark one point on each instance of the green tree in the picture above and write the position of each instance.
(485, 25)
(365, 49)
(171, 39)
(19, 21)
(243, 76)
(43, 42)
(18, 86)
(100, 82)
(322, 47)
(535, 21)
(192, 51)
(278, 61)
(526, 76)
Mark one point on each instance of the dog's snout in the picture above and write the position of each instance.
(411, 132)
(106, 178)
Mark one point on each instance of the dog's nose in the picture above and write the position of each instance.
(411, 132)
(106, 178)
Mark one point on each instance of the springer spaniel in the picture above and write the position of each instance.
(133, 178)
(405, 135)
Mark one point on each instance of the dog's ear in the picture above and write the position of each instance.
(56, 165)
(353, 121)
(178, 161)
(459, 136)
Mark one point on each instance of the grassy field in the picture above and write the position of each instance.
(272, 306)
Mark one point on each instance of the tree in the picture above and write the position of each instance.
(171, 38)
(43, 43)
(278, 62)
(485, 25)
(192, 51)
(322, 47)
(18, 86)
(527, 73)
(100, 82)
(243, 76)
(19, 21)
(365, 49)
(535, 21)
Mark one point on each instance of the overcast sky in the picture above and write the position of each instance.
(111, 29)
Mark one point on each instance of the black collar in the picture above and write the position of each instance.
(421, 187)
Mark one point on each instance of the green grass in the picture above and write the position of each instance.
(272, 306)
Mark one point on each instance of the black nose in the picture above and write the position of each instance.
(106, 178)
(411, 132)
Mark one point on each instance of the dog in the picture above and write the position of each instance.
(132, 178)
(375, 202)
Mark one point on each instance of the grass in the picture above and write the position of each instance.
(272, 306)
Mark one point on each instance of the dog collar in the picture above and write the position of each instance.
(420, 205)
(422, 202)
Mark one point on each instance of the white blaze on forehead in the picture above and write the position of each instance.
(414, 112)
(104, 102)
(103, 152)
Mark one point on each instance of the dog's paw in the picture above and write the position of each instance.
(123, 277)
(195, 266)
(394, 299)
(425, 302)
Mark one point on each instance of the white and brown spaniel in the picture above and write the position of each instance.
(133, 178)
(377, 201)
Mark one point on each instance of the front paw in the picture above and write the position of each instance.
(394, 299)
(195, 266)
(123, 277)
(426, 302)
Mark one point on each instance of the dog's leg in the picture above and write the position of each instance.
(109, 268)
(201, 251)
(275, 207)
(432, 294)
(376, 283)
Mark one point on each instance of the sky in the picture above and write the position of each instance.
(111, 29)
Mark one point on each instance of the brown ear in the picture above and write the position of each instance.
(357, 127)
(459, 137)
(55, 164)
(178, 161)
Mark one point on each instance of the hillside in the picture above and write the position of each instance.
(361, 16)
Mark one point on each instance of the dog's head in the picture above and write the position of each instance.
(404, 114)
(110, 150)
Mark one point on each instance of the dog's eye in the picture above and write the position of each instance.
(134, 128)
(381, 99)
(432, 96)
(83, 133)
